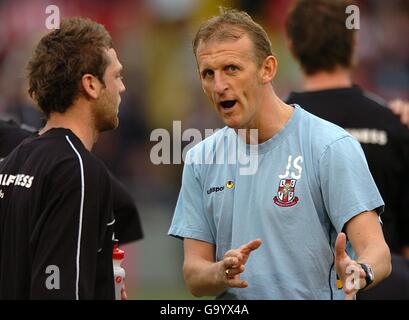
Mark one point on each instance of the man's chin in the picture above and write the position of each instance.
(115, 123)
(231, 123)
(109, 125)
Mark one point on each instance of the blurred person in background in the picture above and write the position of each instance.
(400, 108)
(295, 235)
(11, 134)
(324, 47)
(50, 212)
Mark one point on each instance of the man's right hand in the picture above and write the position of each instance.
(233, 264)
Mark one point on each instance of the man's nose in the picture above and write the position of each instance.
(122, 88)
(220, 83)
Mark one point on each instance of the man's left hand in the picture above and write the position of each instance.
(351, 273)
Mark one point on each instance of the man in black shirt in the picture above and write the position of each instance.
(325, 55)
(127, 225)
(56, 210)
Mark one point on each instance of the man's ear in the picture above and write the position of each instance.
(91, 85)
(269, 69)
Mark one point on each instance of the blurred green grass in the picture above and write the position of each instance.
(163, 293)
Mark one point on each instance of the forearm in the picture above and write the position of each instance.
(203, 277)
(365, 234)
(379, 258)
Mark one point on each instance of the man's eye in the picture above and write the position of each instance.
(207, 73)
(120, 77)
(231, 68)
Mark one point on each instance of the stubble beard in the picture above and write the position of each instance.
(105, 112)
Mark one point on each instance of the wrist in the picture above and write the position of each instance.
(369, 274)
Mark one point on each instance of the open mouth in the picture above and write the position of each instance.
(227, 104)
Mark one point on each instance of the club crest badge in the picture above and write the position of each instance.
(285, 196)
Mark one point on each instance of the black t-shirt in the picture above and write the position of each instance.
(56, 221)
(127, 227)
(385, 142)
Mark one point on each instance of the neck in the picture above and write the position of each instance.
(273, 115)
(78, 119)
(322, 80)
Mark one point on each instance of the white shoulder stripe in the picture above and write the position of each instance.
(80, 222)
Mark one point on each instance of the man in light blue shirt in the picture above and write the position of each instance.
(310, 184)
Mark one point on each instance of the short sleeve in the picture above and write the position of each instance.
(347, 185)
(128, 227)
(190, 219)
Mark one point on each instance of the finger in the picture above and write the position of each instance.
(237, 283)
(234, 254)
(252, 245)
(235, 271)
(340, 246)
(230, 262)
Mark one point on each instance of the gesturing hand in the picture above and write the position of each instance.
(233, 264)
(350, 272)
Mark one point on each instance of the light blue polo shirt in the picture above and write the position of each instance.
(311, 178)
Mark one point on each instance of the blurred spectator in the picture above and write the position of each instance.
(325, 56)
